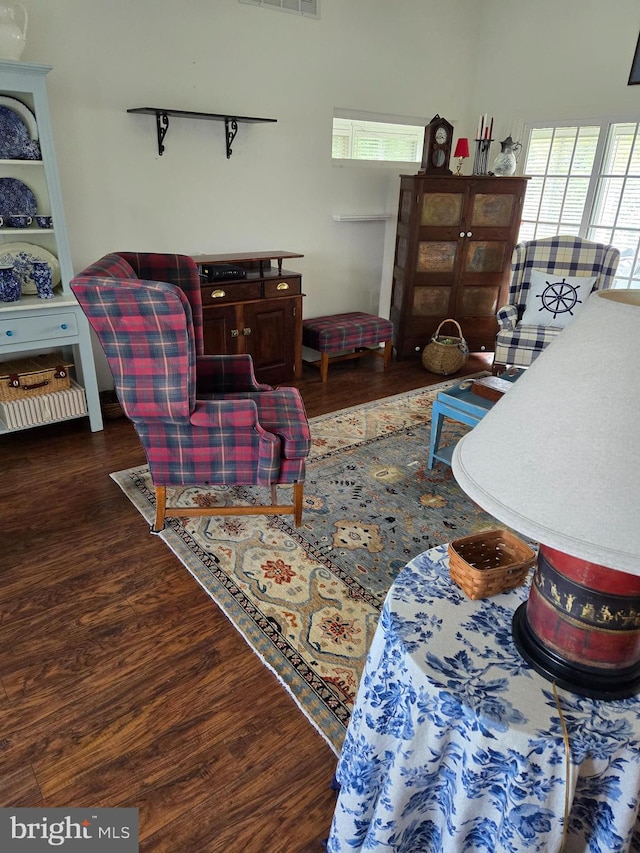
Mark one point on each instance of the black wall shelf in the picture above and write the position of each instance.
(230, 122)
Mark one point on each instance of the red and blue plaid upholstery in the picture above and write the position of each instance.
(177, 269)
(219, 374)
(345, 331)
(201, 419)
(520, 345)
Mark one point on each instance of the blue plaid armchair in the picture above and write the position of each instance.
(558, 260)
(202, 419)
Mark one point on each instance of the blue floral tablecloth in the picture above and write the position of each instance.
(456, 744)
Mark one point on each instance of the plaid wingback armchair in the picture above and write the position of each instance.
(202, 419)
(519, 343)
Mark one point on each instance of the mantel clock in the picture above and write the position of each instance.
(437, 148)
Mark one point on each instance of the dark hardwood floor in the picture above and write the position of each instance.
(122, 684)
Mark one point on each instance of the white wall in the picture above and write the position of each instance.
(512, 58)
(279, 189)
(555, 59)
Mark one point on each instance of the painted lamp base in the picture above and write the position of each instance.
(575, 631)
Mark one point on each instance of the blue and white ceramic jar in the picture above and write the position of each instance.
(41, 275)
(10, 287)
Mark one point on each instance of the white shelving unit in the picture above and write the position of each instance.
(33, 325)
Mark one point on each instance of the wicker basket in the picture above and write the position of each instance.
(445, 354)
(110, 406)
(489, 562)
(29, 377)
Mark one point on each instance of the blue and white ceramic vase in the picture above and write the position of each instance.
(41, 275)
(10, 287)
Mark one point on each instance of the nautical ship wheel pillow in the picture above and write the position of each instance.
(554, 300)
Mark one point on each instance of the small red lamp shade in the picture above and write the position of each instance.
(461, 152)
(462, 147)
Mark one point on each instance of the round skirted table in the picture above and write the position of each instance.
(457, 744)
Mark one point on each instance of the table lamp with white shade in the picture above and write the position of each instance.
(557, 459)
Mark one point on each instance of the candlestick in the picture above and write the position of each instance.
(481, 156)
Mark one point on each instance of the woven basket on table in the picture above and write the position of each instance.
(489, 562)
(445, 354)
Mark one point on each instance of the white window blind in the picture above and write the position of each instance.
(560, 162)
(585, 180)
(373, 140)
(615, 215)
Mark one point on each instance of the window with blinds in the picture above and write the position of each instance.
(615, 214)
(585, 180)
(374, 140)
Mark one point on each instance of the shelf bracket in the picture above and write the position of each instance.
(231, 129)
(162, 125)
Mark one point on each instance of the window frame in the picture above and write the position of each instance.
(587, 225)
(350, 115)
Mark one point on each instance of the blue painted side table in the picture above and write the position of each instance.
(460, 404)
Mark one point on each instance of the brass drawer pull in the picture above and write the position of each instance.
(284, 285)
(218, 294)
(246, 330)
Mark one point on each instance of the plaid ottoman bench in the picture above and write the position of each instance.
(354, 331)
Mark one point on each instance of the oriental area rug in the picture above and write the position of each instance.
(307, 599)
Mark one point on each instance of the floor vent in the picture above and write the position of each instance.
(308, 8)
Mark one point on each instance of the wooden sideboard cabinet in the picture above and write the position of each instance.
(260, 314)
(454, 242)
